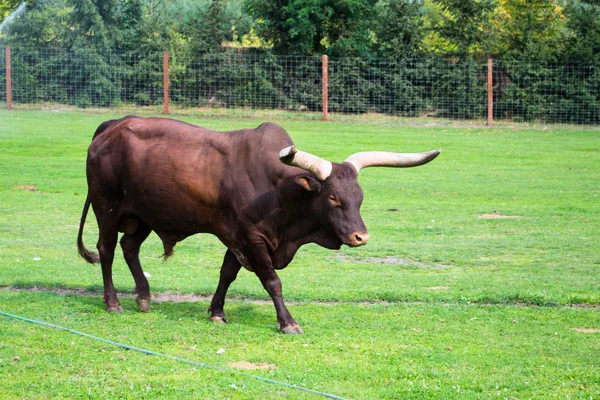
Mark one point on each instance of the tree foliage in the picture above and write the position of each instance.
(534, 30)
(400, 28)
(582, 43)
(459, 27)
(6, 7)
(337, 27)
(531, 30)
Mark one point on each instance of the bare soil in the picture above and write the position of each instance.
(251, 366)
(587, 330)
(195, 298)
(25, 188)
(389, 260)
(496, 215)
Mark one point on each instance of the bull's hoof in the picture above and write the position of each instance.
(219, 319)
(115, 309)
(293, 329)
(143, 304)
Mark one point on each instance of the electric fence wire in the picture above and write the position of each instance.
(153, 353)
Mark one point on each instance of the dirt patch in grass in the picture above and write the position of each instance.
(390, 261)
(196, 298)
(251, 366)
(587, 330)
(171, 297)
(179, 297)
(25, 188)
(168, 297)
(496, 215)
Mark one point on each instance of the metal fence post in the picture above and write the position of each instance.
(166, 82)
(490, 87)
(8, 79)
(325, 86)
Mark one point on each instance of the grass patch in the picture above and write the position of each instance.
(399, 319)
(350, 350)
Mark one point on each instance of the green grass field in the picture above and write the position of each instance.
(481, 278)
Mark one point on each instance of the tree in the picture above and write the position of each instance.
(42, 24)
(7, 7)
(400, 28)
(93, 24)
(458, 27)
(583, 22)
(530, 29)
(204, 27)
(335, 27)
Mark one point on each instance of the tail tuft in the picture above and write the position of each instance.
(168, 246)
(89, 256)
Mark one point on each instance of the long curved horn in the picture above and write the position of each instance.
(315, 165)
(385, 159)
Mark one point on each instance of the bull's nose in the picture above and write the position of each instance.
(359, 238)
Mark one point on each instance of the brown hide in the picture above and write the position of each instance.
(181, 179)
(177, 179)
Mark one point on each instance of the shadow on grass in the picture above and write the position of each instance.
(89, 300)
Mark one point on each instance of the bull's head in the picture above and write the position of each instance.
(340, 196)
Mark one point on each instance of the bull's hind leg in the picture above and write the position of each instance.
(107, 242)
(229, 270)
(130, 243)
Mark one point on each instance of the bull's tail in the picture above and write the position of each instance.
(89, 256)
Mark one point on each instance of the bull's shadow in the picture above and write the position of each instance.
(251, 313)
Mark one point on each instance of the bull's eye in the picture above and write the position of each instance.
(334, 201)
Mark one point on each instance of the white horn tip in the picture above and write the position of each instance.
(287, 154)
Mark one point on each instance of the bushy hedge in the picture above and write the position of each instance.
(433, 87)
(551, 93)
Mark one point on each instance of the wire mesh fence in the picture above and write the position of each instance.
(547, 93)
(84, 79)
(409, 88)
(246, 81)
(414, 90)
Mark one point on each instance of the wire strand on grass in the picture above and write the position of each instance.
(153, 353)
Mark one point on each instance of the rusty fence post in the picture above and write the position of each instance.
(166, 82)
(8, 79)
(325, 86)
(490, 87)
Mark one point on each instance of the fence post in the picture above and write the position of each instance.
(325, 86)
(490, 87)
(8, 79)
(166, 82)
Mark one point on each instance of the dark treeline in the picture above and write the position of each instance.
(533, 30)
(94, 41)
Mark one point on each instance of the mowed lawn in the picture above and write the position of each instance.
(481, 277)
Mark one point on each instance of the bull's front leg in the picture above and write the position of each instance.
(285, 321)
(263, 267)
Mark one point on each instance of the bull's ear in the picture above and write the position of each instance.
(309, 183)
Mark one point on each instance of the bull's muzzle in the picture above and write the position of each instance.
(358, 239)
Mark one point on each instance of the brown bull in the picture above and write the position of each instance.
(251, 188)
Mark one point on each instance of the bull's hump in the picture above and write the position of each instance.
(162, 128)
(269, 126)
(266, 134)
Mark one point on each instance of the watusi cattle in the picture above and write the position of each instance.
(251, 188)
